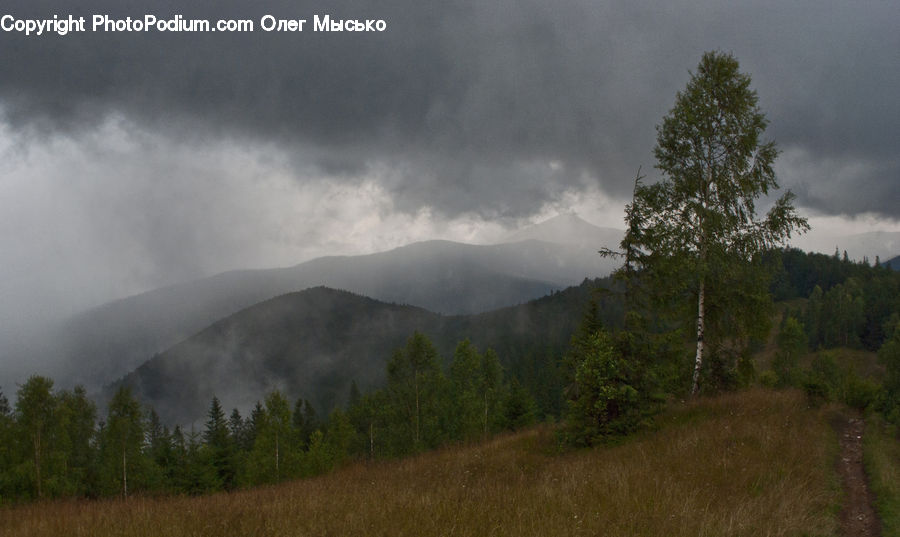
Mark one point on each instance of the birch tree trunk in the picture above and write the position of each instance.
(698, 361)
(485, 431)
(417, 409)
(124, 473)
(37, 461)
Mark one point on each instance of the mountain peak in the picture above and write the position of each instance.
(567, 228)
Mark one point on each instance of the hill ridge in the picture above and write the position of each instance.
(107, 341)
(314, 343)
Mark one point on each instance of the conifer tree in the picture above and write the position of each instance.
(606, 400)
(179, 466)
(219, 444)
(519, 408)
(200, 475)
(305, 420)
(237, 427)
(253, 424)
(467, 384)
(160, 448)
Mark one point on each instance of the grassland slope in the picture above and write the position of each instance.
(752, 463)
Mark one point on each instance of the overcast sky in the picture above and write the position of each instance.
(132, 160)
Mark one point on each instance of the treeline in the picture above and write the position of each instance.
(52, 444)
(619, 376)
(827, 374)
(617, 372)
(851, 304)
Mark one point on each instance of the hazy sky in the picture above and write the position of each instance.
(131, 160)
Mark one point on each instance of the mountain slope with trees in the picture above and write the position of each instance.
(315, 343)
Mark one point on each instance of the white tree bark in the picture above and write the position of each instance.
(698, 361)
(124, 473)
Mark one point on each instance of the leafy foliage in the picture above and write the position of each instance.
(889, 355)
(791, 342)
(695, 235)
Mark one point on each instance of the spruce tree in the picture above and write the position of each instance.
(219, 444)
(237, 426)
(466, 385)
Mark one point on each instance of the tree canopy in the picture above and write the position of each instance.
(695, 232)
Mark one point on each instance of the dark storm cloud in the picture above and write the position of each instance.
(464, 103)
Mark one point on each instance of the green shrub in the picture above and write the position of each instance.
(768, 378)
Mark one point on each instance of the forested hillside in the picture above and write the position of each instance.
(315, 343)
(850, 304)
(375, 380)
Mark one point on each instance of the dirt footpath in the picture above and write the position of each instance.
(858, 518)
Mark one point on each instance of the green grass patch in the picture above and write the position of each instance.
(881, 455)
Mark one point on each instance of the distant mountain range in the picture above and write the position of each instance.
(314, 343)
(102, 344)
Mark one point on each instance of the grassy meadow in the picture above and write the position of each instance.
(751, 463)
(881, 454)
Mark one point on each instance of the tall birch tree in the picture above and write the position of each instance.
(698, 224)
(123, 438)
(414, 379)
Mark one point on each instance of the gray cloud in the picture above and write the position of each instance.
(460, 97)
(135, 160)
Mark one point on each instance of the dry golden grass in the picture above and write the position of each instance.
(754, 463)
